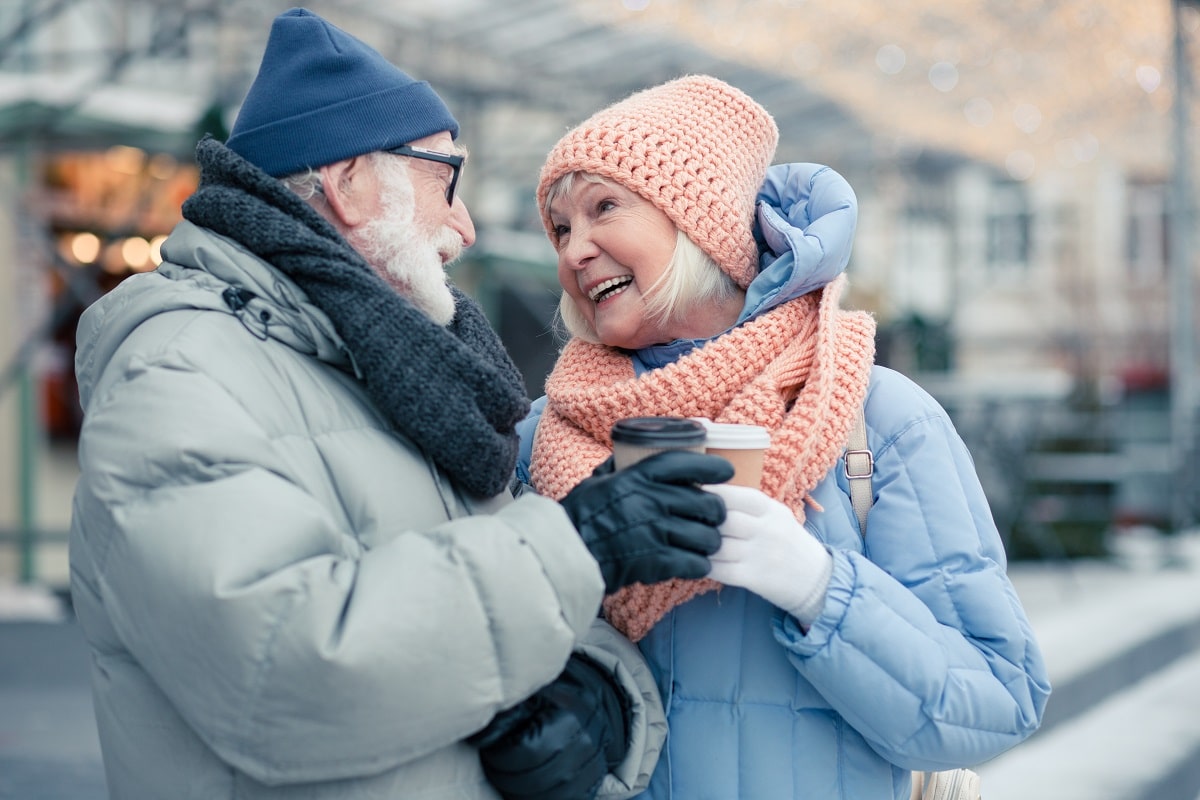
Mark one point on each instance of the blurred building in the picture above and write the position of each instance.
(1013, 165)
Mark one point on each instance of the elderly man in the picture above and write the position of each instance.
(295, 549)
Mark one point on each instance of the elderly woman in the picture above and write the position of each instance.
(816, 660)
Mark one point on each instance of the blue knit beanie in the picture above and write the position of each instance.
(322, 95)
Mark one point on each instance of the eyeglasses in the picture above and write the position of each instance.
(453, 159)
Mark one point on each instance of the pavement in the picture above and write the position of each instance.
(49, 749)
(1121, 638)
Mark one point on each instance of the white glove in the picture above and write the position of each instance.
(766, 550)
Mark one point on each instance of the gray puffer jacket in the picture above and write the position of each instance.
(283, 596)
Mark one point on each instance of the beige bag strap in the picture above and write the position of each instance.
(860, 468)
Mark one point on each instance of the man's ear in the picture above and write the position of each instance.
(351, 190)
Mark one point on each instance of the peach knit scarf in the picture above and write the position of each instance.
(800, 370)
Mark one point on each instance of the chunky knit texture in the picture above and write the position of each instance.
(800, 370)
(695, 147)
(453, 390)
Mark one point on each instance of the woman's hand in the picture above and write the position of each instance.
(765, 550)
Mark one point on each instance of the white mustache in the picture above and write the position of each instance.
(448, 244)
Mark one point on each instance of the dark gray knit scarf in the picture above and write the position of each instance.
(453, 390)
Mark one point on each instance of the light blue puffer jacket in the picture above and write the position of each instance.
(922, 657)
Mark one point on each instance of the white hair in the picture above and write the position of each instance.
(306, 184)
(409, 259)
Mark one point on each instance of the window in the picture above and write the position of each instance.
(1009, 231)
(1147, 228)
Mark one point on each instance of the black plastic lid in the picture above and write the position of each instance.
(659, 432)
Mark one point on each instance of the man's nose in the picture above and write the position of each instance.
(460, 221)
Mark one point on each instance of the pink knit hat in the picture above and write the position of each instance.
(696, 147)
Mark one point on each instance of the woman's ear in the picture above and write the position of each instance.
(351, 190)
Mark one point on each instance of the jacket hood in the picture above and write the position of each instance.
(205, 272)
(807, 215)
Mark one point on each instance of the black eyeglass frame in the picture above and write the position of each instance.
(455, 161)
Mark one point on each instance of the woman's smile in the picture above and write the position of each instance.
(609, 288)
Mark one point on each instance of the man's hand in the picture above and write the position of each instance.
(651, 521)
(561, 742)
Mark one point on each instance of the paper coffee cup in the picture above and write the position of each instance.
(743, 446)
(635, 438)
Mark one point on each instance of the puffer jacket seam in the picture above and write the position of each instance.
(840, 736)
(891, 441)
(493, 638)
(386, 750)
(311, 438)
(263, 666)
(948, 580)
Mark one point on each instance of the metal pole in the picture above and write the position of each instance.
(27, 405)
(27, 517)
(1182, 355)
(26, 400)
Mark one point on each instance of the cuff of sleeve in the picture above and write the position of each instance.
(839, 590)
(648, 724)
(807, 611)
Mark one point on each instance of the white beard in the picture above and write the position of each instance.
(405, 257)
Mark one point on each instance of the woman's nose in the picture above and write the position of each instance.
(579, 249)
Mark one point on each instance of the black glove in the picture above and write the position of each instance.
(650, 521)
(561, 742)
